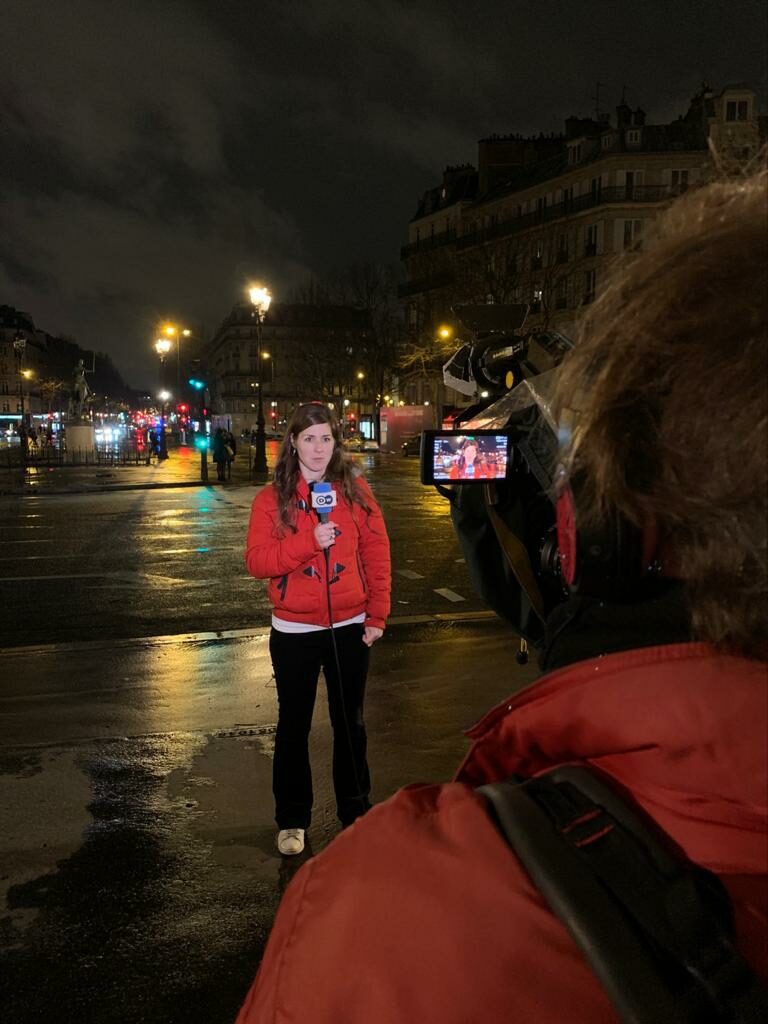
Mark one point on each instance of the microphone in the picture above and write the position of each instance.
(323, 500)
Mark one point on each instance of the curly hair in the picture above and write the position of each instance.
(341, 469)
(666, 389)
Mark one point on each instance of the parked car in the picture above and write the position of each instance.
(369, 445)
(354, 443)
(412, 445)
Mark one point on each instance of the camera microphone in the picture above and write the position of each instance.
(323, 500)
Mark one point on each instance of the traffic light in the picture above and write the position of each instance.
(198, 385)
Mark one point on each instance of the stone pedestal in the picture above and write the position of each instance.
(81, 442)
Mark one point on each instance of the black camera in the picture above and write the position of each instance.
(507, 442)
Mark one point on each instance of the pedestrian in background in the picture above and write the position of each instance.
(220, 453)
(329, 586)
(230, 449)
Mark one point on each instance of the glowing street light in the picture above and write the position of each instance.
(261, 300)
(163, 448)
(174, 331)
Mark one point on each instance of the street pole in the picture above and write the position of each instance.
(162, 455)
(19, 345)
(260, 456)
(260, 302)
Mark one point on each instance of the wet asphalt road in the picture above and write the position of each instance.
(147, 563)
(137, 860)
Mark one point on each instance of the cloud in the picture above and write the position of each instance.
(157, 153)
(119, 202)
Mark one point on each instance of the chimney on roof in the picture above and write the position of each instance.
(623, 115)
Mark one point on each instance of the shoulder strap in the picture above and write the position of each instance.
(654, 927)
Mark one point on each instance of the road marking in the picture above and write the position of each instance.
(449, 595)
(409, 574)
(32, 540)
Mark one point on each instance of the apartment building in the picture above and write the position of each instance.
(14, 325)
(541, 219)
(305, 352)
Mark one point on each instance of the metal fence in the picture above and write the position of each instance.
(46, 456)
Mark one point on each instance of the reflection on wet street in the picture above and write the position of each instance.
(139, 871)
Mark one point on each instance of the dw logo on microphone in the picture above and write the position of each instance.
(323, 500)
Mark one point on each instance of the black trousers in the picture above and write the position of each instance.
(297, 659)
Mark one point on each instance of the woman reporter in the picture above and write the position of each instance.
(329, 586)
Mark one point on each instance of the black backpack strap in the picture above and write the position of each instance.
(656, 929)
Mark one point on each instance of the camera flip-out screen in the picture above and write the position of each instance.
(464, 456)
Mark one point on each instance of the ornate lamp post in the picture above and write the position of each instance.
(174, 331)
(260, 300)
(163, 452)
(19, 345)
(162, 347)
(360, 378)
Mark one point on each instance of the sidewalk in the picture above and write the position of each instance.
(182, 468)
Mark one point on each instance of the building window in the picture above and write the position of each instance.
(562, 249)
(537, 255)
(574, 154)
(561, 293)
(634, 136)
(736, 110)
(679, 180)
(590, 281)
(633, 230)
(590, 242)
(3, 387)
(538, 295)
(607, 141)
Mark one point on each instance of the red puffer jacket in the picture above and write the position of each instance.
(295, 565)
(420, 913)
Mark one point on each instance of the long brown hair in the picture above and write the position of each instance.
(341, 469)
(667, 387)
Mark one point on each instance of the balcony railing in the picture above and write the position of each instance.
(425, 244)
(606, 196)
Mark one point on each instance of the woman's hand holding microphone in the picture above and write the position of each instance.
(325, 534)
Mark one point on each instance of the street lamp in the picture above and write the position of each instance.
(360, 378)
(19, 345)
(162, 347)
(173, 331)
(260, 300)
(163, 451)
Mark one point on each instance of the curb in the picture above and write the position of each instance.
(30, 491)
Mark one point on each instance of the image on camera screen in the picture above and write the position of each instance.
(470, 456)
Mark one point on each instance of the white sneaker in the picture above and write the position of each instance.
(290, 841)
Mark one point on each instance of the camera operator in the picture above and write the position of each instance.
(420, 912)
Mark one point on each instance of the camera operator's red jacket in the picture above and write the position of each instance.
(420, 913)
(295, 566)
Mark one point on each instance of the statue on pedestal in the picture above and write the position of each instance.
(81, 392)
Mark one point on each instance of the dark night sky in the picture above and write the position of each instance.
(156, 155)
